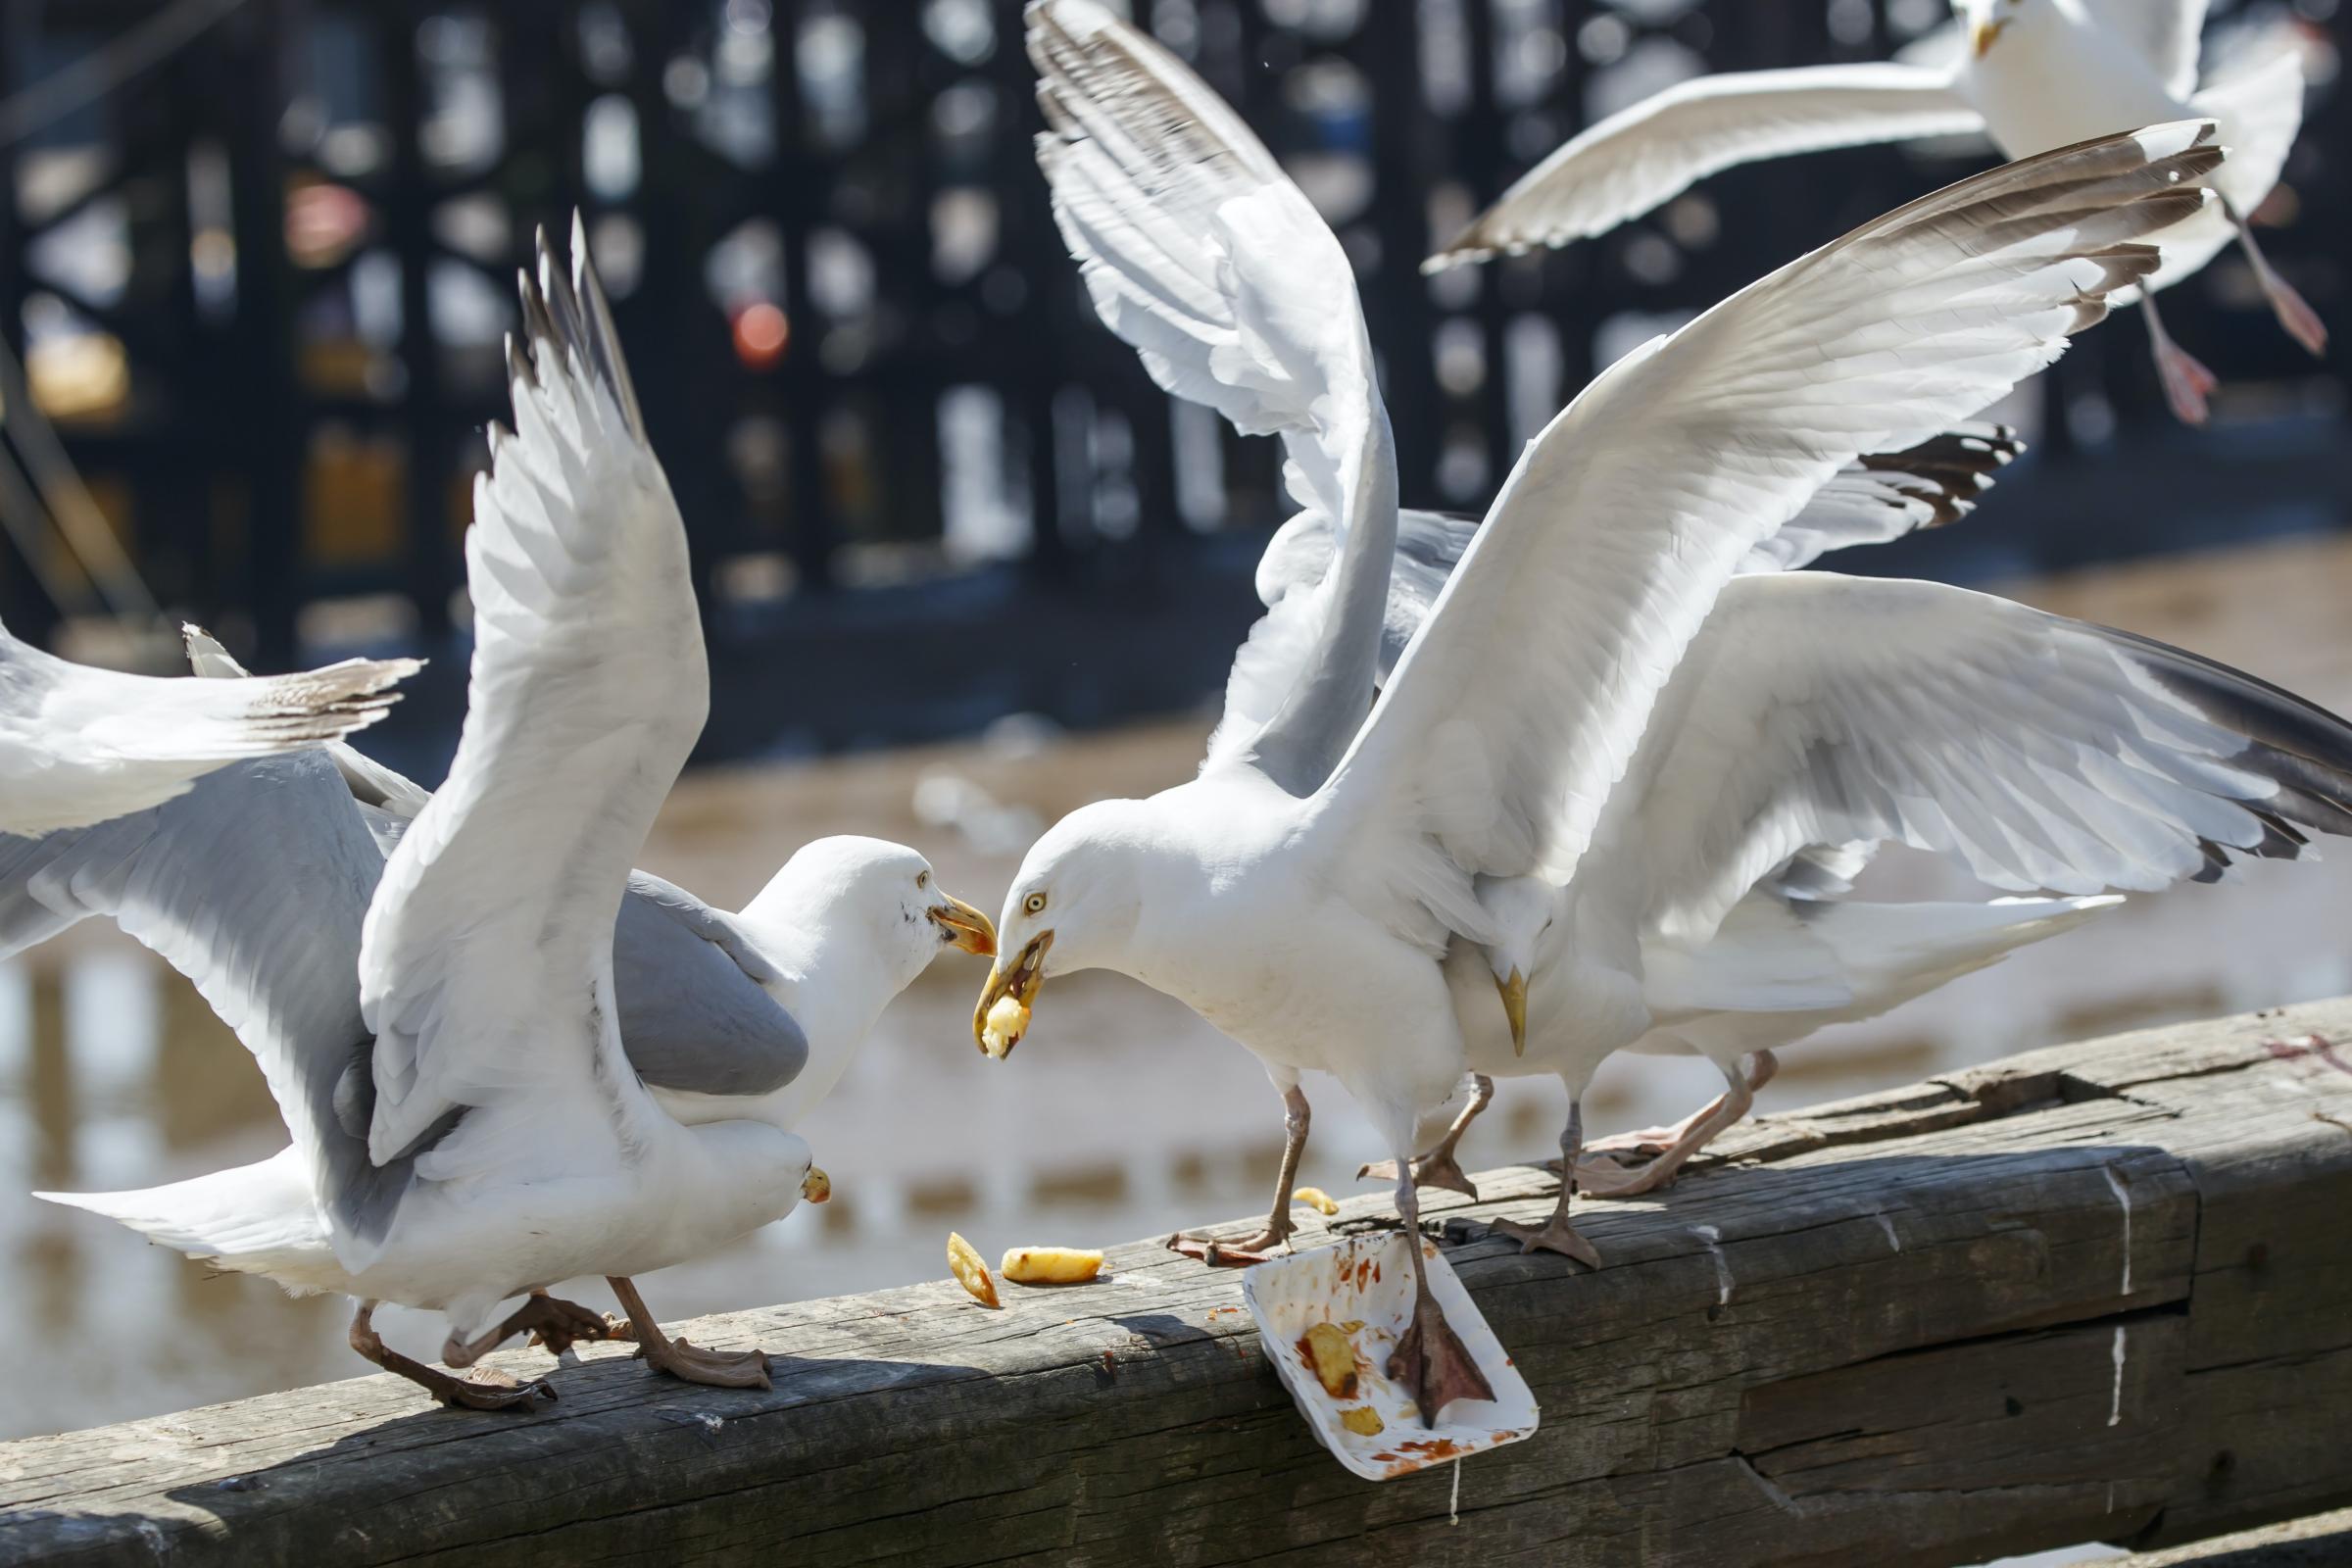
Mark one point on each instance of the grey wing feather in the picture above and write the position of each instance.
(692, 1015)
(254, 885)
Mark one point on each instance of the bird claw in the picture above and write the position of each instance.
(2295, 313)
(1429, 1170)
(1555, 1235)
(1258, 1249)
(690, 1363)
(1430, 1359)
(488, 1388)
(2186, 382)
(1647, 1141)
(1608, 1178)
(557, 1325)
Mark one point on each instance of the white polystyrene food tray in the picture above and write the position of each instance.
(1364, 1277)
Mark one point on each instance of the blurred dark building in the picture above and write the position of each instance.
(258, 259)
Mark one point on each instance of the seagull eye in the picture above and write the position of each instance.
(1034, 904)
(922, 879)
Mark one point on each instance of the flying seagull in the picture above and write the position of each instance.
(78, 745)
(1302, 892)
(442, 1024)
(2033, 74)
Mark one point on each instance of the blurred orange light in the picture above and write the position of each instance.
(760, 335)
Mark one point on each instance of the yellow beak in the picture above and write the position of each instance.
(1514, 1008)
(1981, 36)
(966, 927)
(1002, 1016)
(817, 1185)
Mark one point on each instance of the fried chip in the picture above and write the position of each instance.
(1328, 1346)
(1049, 1266)
(970, 1273)
(1004, 1026)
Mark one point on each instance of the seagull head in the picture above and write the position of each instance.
(1985, 19)
(1521, 910)
(882, 895)
(1074, 904)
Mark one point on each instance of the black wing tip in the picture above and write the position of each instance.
(2302, 749)
(565, 310)
(1950, 472)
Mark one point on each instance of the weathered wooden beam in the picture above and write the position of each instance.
(2097, 1292)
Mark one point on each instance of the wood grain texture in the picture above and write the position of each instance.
(2103, 1290)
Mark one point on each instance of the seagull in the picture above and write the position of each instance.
(1814, 712)
(78, 745)
(722, 1014)
(1302, 893)
(2032, 74)
(442, 1021)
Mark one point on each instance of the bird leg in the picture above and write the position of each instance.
(717, 1368)
(1296, 1119)
(1430, 1358)
(1610, 1180)
(1438, 1167)
(2301, 321)
(1556, 1234)
(552, 1325)
(484, 1389)
(2186, 382)
(1761, 1067)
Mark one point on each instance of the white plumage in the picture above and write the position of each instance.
(440, 1023)
(2035, 75)
(1308, 908)
(79, 745)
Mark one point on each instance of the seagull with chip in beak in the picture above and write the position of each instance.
(2031, 74)
(1304, 893)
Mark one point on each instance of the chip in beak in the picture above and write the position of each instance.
(1002, 1016)
(817, 1185)
(964, 926)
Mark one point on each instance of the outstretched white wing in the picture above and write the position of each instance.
(2166, 33)
(2035, 752)
(79, 745)
(372, 782)
(1202, 254)
(1644, 155)
(1868, 501)
(1516, 711)
(486, 967)
(2255, 95)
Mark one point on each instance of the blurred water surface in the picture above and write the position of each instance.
(1121, 1116)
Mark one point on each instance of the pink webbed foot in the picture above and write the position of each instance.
(2186, 382)
(1429, 1170)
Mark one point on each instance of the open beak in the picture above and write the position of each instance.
(817, 1185)
(1981, 36)
(1514, 1008)
(966, 927)
(1003, 1015)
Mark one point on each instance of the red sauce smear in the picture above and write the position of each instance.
(1433, 1448)
(2310, 1046)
